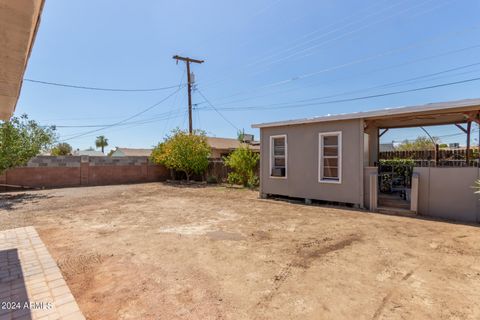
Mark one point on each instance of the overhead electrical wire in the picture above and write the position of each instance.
(126, 119)
(134, 124)
(341, 36)
(411, 45)
(298, 77)
(216, 110)
(350, 22)
(395, 83)
(266, 107)
(65, 85)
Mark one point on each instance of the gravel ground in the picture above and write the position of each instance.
(158, 251)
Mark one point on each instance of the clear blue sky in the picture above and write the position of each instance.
(258, 54)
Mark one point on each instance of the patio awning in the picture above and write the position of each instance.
(19, 21)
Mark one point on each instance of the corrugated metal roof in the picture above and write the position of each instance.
(382, 113)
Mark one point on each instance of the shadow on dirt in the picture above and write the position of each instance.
(11, 201)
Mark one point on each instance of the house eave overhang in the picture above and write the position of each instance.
(19, 22)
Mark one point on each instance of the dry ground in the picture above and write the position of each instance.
(154, 251)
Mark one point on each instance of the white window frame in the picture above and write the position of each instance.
(271, 156)
(320, 157)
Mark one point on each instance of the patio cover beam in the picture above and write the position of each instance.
(461, 127)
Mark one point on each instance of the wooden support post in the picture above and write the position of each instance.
(467, 156)
(437, 154)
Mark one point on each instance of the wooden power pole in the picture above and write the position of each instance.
(189, 86)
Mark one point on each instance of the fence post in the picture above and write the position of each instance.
(414, 193)
(373, 192)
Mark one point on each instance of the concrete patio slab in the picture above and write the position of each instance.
(31, 285)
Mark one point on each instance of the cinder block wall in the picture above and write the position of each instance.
(73, 171)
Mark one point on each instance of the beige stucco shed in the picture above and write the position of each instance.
(19, 21)
(331, 158)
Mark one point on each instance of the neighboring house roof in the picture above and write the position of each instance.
(387, 147)
(443, 107)
(131, 152)
(19, 21)
(228, 144)
(91, 153)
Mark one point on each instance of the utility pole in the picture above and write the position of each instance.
(188, 61)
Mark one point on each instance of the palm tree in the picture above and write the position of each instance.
(101, 142)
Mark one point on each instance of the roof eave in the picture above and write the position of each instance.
(389, 112)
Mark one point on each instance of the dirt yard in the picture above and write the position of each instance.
(155, 251)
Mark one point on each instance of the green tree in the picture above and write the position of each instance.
(22, 139)
(62, 149)
(101, 142)
(421, 143)
(183, 152)
(243, 162)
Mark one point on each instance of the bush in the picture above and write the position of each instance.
(243, 161)
(403, 168)
(183, 152)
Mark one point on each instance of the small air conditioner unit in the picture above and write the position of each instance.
(247, 138)
(278, 172)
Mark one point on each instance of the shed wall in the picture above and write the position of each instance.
(303, 161)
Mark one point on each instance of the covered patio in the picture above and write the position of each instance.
(429, 186)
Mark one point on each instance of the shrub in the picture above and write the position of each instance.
(243, 162)
(403, 169)
(183, 152)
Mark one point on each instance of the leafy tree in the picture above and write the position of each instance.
(243, 162)
(62, 149)
(183, 152)
(421, 143)
(101, 142)
(22, 139)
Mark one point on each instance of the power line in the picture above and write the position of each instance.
(126, 119)
(390, 84)
(135, 124)
(407, 47)
(351, 99)
(395, 50)
(57, 84)
(216, 110)
(341, 36)
(350, 21)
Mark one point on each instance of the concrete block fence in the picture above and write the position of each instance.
(75, 171)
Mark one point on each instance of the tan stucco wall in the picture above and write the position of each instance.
(366, 184)
(302, 168)
(448, 193)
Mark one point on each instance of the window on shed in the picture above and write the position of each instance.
(330, 164)
(278, 156)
